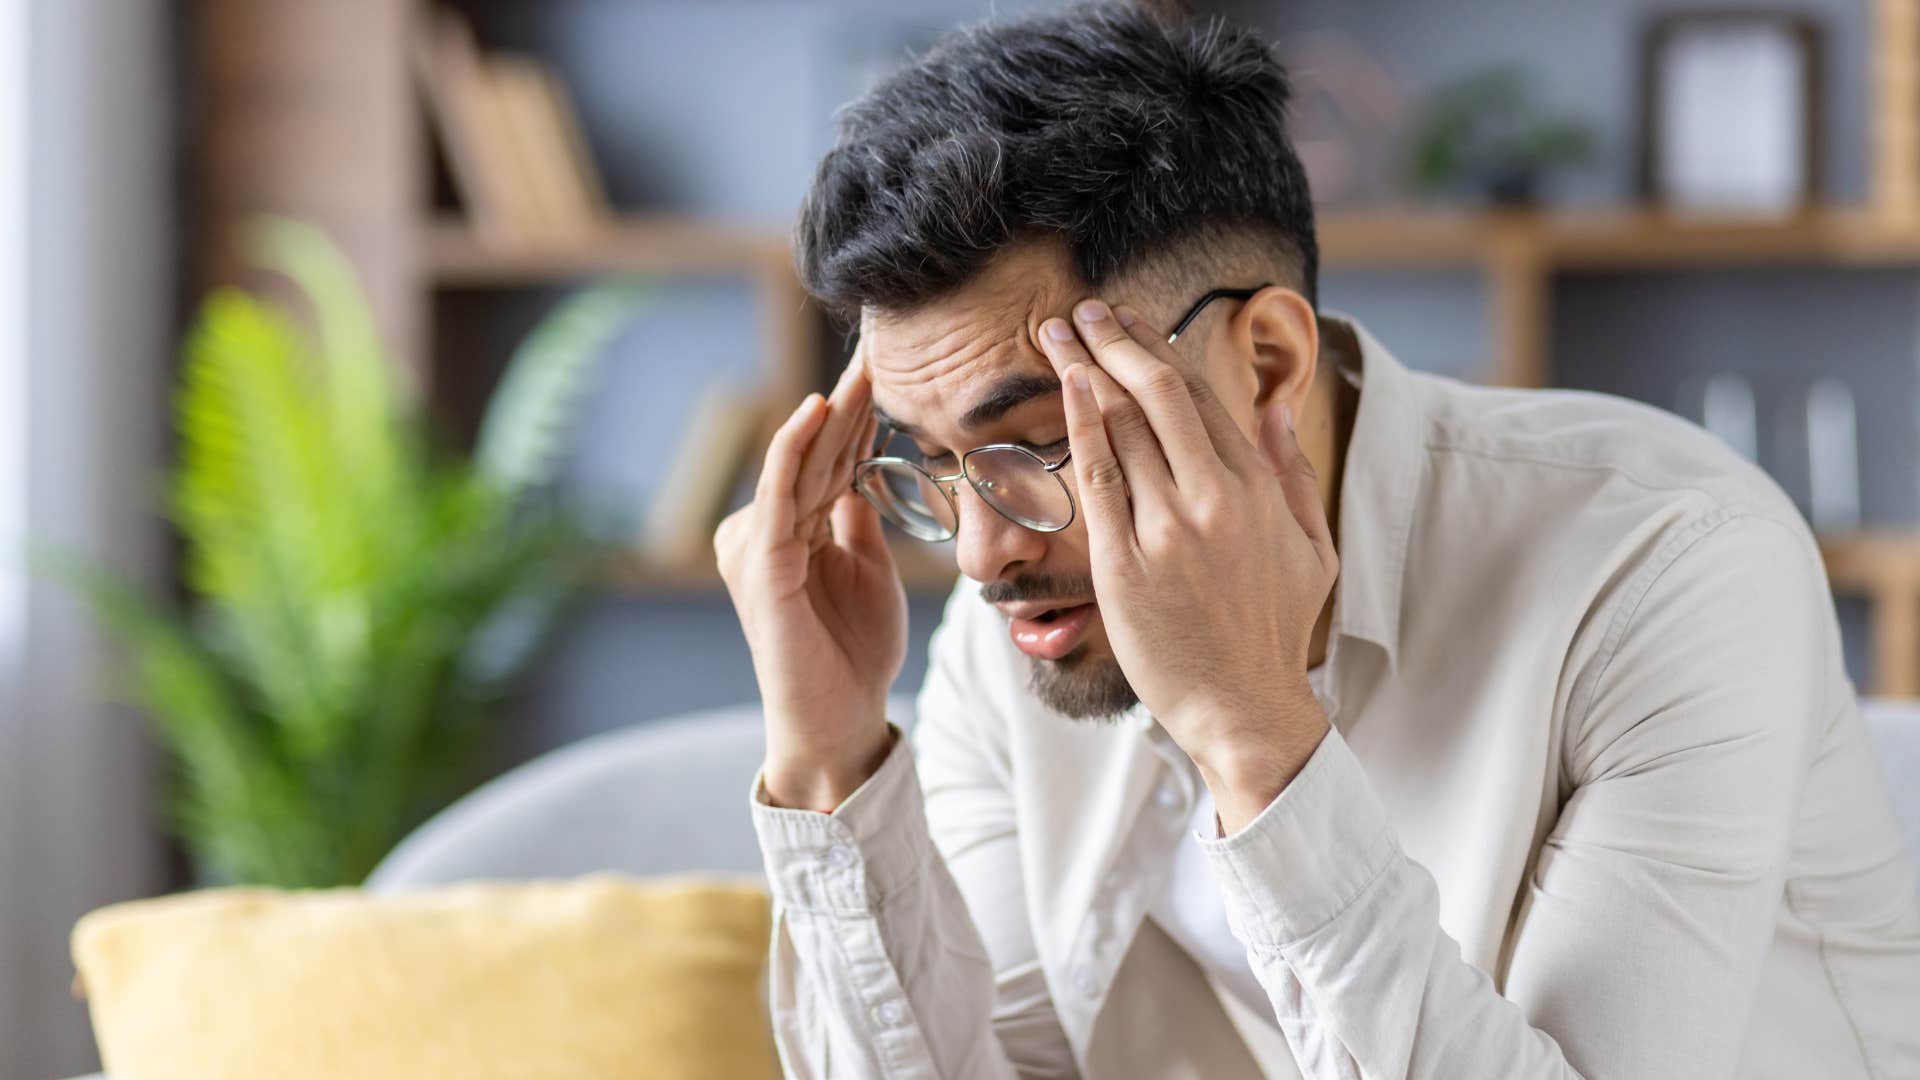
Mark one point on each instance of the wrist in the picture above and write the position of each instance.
(820, 778)
(1248, 770)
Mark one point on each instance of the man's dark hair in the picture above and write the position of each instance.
(1129, 134)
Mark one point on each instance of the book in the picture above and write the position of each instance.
(721, 431)
(512, 136)
(575, 156)
(515, 84)
(451, 73)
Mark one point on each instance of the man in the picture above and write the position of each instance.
(1513, 725)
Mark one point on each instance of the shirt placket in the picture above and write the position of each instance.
(1134, 876)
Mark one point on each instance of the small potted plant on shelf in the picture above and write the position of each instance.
(359, 602)
(1486, 134)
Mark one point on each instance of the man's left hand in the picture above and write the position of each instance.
(1211, 557)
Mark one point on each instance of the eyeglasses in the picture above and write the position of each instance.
(1017, 483)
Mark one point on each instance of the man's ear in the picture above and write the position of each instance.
(1284, 335)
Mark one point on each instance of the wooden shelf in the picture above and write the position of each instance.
(1875, 559)
(1521, 250)
(1884, 567)
(923, 570)
(1626, 238)
(456, 254)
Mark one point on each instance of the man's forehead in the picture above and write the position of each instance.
(978, 322)
(965, 391)
(963, 361)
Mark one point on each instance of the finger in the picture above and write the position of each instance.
(1280, 445)
(773, 494)
(1161, 389)
(856, 526)
(1229, 442)
(1097, 473)
(1142, 459)
(857, 449)
(847, 410)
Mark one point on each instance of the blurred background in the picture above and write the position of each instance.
(540, 310)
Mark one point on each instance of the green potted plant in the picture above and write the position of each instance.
(360, 603)
(1486, 133)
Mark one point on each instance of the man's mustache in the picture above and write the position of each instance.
(1038, 587)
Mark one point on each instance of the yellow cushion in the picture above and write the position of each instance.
(598, 977)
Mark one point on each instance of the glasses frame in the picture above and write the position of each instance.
(948, 484)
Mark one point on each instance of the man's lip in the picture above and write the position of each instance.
(1033, 609)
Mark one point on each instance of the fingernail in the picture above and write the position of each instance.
(1091, 311)
(1077, 375)
(1286, 415)
(1126, 316)
(1058, 330)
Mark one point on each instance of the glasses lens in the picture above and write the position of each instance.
(1017, 483)
(909, 498)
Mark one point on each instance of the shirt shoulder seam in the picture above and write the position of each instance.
(1720, 498)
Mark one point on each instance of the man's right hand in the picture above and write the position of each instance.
(824, 612)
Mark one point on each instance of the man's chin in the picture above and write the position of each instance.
(1085, 684)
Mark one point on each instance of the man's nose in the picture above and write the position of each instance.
(989, 543)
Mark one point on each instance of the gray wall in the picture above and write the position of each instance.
(722, 109)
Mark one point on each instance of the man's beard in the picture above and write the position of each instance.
(1082, 686)
(1079, 685)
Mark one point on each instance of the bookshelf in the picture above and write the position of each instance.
(314, 110)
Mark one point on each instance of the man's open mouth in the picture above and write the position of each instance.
(1051, 633)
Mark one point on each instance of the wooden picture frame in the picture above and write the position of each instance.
(1664, 48)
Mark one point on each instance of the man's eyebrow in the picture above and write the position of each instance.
(1007, 395)
(890, 424)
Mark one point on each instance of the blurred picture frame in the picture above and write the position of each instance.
(1730, 102)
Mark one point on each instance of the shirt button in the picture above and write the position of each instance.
(1084, 982)
(888, 1013)
(1168, 797)
(839, 856)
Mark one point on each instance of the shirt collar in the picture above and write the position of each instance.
(1378, 486)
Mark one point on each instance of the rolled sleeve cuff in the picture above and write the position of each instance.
(849, 861)
(1308, 855)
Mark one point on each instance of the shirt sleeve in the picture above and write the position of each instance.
(1648, 912)
(876, 969)
(879, 967)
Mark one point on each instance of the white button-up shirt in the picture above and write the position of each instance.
(1597, 801)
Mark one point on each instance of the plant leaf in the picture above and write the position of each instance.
(522, 436)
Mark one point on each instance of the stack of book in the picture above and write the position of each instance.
(511, 136)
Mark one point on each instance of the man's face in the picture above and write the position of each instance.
(965, 372)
